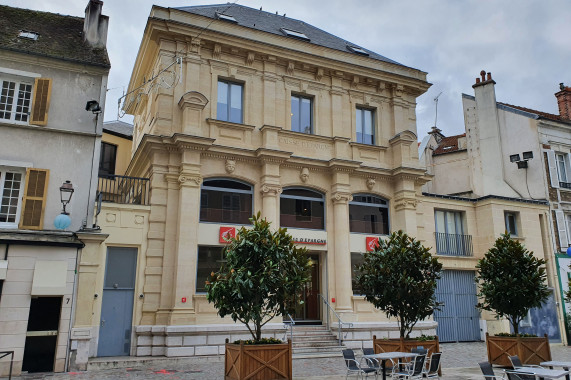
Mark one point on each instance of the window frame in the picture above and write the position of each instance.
(312, 199)
(228, 104)
(456, 212)
(18, 80)
(562, 159)
(22, 172)
(514, 214)
(366, 204)
(222, 260)
(353, 270)
(361, 109)
(311, 112)
(101, 154)
(227, 190)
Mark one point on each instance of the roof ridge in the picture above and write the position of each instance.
(45, 12)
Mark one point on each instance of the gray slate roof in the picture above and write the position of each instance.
(60, 37)
(271, 23)
(119, 128)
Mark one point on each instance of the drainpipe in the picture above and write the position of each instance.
(72, 316)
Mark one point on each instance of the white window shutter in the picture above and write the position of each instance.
(562, 229)
(552, 164)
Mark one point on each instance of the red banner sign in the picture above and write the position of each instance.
(372, 242)
(226, 233)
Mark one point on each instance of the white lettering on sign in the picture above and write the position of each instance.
(303, 144)
(309, 241)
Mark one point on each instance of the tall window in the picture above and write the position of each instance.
(562, 167)
(356, 259)
(301, 114)
(302, 208)
(210, 259)
(107, 159)
(229, 106)
(511, 223)
(225, 201)
(15, 100)
(365, 126)
(369, 214)
(450, 234)
(11, 188)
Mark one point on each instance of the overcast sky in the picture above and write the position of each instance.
(526, 45)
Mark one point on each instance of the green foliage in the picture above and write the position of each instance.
(263, 272)
(514, 335)
(261, 341)
(511, 280)
(425, 338)
(399, 278)
(568, 292)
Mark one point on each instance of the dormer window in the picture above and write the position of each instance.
(222, 16)
(30, 35)
(293, 33)
(357, 50)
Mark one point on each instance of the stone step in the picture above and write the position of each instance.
(315, 338)
(327, 350)
(319, 343)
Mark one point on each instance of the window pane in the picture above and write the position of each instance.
(226, 184)
(368, 219)
(295, 114)
(107, 159)
(561, 168)
(302, 213)
(511, 224)
(235, 103)
(356, 259)
(222, 107)
(210, 259)
(10, 197)
(302, 193)
(367, 127)
(23, 103)
(305, 117)
(225, 207)
(359, 124)
(7, 99)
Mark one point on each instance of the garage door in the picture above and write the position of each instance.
(458, 320)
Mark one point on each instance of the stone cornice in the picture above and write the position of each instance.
(271, 155)
(194, 100)
(410, 174)
(368, 146)
(227, 124)
(340, 165)
(404, 137)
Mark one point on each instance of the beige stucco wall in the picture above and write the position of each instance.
(124, 147)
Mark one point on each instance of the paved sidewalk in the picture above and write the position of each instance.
(459, 362)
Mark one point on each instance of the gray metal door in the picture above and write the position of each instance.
(458, 320)
(117, 304)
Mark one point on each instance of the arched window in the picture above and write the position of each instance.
(302, 208)
(369, 214)
(225, 201)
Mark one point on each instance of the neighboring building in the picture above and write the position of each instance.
(243, 111)
(518, 158)
(50, 66)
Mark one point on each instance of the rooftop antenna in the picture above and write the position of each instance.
(436, 106)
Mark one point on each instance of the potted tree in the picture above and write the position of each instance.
(512, 281)
(399, 277)
(263, 271)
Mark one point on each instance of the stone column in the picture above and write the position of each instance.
(342, 251)
(270, 203)
(404, 203)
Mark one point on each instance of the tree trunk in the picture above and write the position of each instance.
(515, 325)
(258, 331)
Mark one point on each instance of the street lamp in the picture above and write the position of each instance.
(65, 192)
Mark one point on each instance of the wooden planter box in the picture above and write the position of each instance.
(258, 361)
(405, 345)
(529, 350)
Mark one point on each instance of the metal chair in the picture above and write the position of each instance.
(372, 362)
(354, 367)
(519, 375)
(488, 371)
(414, 371)
(434, 366)
(516, 363)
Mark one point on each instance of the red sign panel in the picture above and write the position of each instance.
(226, 233)
(372, 242)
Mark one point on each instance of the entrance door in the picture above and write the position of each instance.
(309, 310)
(458, 320)
(117, 304)
(41, 337)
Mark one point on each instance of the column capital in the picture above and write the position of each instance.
(271, 190)
(190, 180)
(405, 203)
(341, 197)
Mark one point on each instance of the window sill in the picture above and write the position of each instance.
(229, 124)
(368, 146)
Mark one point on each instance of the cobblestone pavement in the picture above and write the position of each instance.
(459, 361)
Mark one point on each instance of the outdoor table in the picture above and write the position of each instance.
(543, 372)
(553, 363)
(384, 356)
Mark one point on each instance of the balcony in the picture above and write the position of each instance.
(565, 185)
(453, 245)
(123, 189)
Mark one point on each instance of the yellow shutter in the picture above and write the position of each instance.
(41, 101)
(34, 199)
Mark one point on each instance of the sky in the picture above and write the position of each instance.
(525, 44)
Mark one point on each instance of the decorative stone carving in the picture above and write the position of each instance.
(319, 74)
(216, 53)
(139, 219)
(189, 179)
(110, 217)
(290, 68)
(230, 166)
(194, 100)
(271, 190)
(250, 58)
(370, 183)
(341, 197)
(405, 203)
(304, 175)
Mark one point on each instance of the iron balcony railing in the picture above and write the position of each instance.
(565, 185)
(453, 244)
(123, 189)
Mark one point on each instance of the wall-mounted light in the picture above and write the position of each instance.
(66, 191)
(514, 158)
(93, 106)
(521, 164)
(527, 155)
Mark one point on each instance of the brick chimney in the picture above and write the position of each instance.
(564, 101)
(95, 24)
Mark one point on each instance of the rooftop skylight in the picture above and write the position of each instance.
(222, 16)
(293, 33)
(31, 35)
(358, 50)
